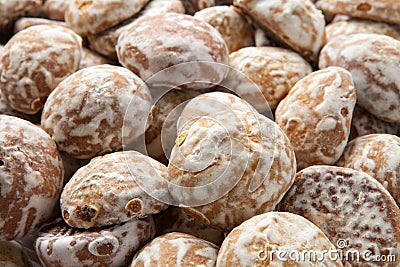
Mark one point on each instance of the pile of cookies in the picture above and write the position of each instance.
(185, 133)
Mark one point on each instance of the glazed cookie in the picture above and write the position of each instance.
(274, 70)
(12, 255)
(55, 9)
(176, 249)
(278, 17)
(174, 219)
(253, 242)
(31, 176)
(90, 59)
(34, 62)
(230, 23)
(104, 42)
(85, 113)
(61, 246)
(26, 22)
(353, 26)
(153, 43)
(364, 123)
(350, 207)
(230, 166)
(192, 6)
(380, 10)
(377, 155)
(106, 191)
(372, 60)
(316, 116)
(91, 17)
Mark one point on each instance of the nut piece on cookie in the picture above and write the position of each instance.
(34, 62)
(31, 177)
(176, 249)
(257, 242)
(316, 116)
(297, 24)
(85, 113)
(348, 206)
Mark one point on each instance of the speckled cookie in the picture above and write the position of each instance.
(278, 18)
(155, 42)
(348, 205)
(176, 249)
(13, 255)
(58, 245)
(380, 10)
(31, 176)
(55, 9)
(90, 58)
(230, 166)
(377, 155)
(373, 61)
(91, 17)
(106, 191)
(174, 219)
(316, 116)
(253, 242)
(230, 23)
(26, 22)
(34, 62)
(85, 113)
(192, 6)
(274, 70)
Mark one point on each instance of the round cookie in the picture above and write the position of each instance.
(26, 22)
(31, 177)
(34, 62)
(13, 255)
(230, 166)
(155, 42)
(353, 209)
(230, 23)
(55, 9)
(253, 242)
(274, 70)
(278, 17)
(11, 10)
(176, 249)
(106, 191)
(58, 245)
(85, 113)
(372, 60)
(316, 116)
(377, 155)
(379, 10)
(91, 17)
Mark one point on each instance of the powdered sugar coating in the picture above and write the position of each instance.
(61, 246)
(377, 155)
(90, 58)
(274, 70)
(10, 10)
(230, 23)
(233, 165)
(153, 43)
(380, 10)
(316, 116)
(277, 18)
(34, 62)
(349, 205)
(55, 9)
(26, 22)
(246, 244)
(31, 176)
(93, 16)
(85, 113)
(176, 249)
(372, 60)
(105, 191)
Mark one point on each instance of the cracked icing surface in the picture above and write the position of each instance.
(276, 231)
(350, 205)
(377, 155)
(58, 245)
(31, 177)
(106, 192)
(373, 61)
(176, 249)
(85, 113)
(277, 17)
(155, 42)
(93, 16)
(316, 116)
(34, 62)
